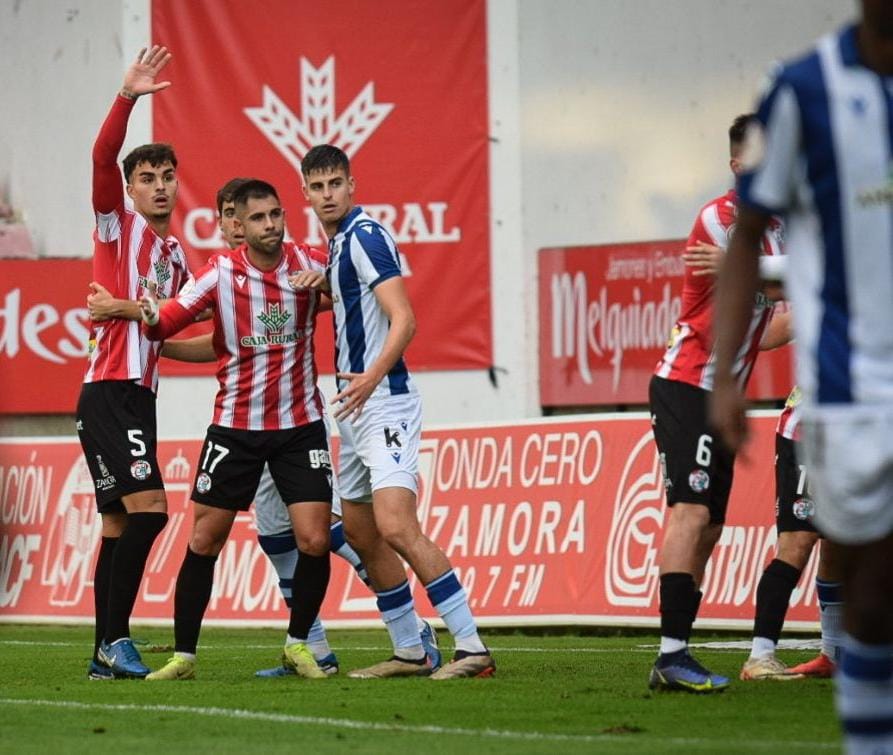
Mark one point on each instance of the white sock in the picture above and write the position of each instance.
(672, 645)
(185, 656)
(762, 647)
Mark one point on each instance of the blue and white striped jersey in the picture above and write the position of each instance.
(361, 255)
(823, 157)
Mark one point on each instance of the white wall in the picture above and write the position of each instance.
(61, 63)
(608, 123)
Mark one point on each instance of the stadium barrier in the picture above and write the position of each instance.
(548, 522)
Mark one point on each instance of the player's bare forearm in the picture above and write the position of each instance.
(196, 349)
(162, 322)
(778, 333)
(121, 309)
(393, 300)
(400, 334)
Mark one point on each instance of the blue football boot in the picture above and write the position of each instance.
(680, 671)
(429, 642)
(123, 659)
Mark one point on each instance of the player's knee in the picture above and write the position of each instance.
(361, 539)
(206, 543)
(399, 538)
(314, 544)
(148, 501)
(796, 549)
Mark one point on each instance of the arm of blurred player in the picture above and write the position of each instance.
(392, 298)
(738, 282)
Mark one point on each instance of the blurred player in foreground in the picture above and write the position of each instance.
(821, 151)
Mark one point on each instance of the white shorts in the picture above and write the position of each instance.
(849, 454)
(381, 449)
(271, 513)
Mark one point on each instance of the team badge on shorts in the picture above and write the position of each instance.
(699, 480)
(203, 482)
(140, 470)
(803, 509)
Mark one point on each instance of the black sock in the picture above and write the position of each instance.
(127, 569)
(677, 599)
(194, 584)
(695, 605)
(773, 596)
(101, 580)
(308, 588)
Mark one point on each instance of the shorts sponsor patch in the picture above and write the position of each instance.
(699, 480)
(141, 469)
(203, 482)
(803, 509)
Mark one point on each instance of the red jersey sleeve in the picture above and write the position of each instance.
(108, 194)
(194, 298)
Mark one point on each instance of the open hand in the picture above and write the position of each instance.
(355, 394)
(309, 279)
(99, 302)
(140, 77)
(705, 257)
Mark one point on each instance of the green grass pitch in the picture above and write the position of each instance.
(559, 693)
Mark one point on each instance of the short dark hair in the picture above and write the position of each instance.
(324, 157)
(739, 128)
(155, 154)
(254, 188)
(226, 192)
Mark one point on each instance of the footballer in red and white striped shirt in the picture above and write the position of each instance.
(116, 409)
(265, 296)
(689, 354)
(263, 337)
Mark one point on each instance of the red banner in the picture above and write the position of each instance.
(406, 101)
(44, 329)
(549, 522)
(605, 313)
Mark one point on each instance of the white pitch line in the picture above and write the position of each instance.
(382, 648)
(347, 723)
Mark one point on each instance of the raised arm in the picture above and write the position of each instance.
(139, 79)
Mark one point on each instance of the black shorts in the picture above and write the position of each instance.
(697, 466)
(116, 426)
(231, 463)
(794, 508)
